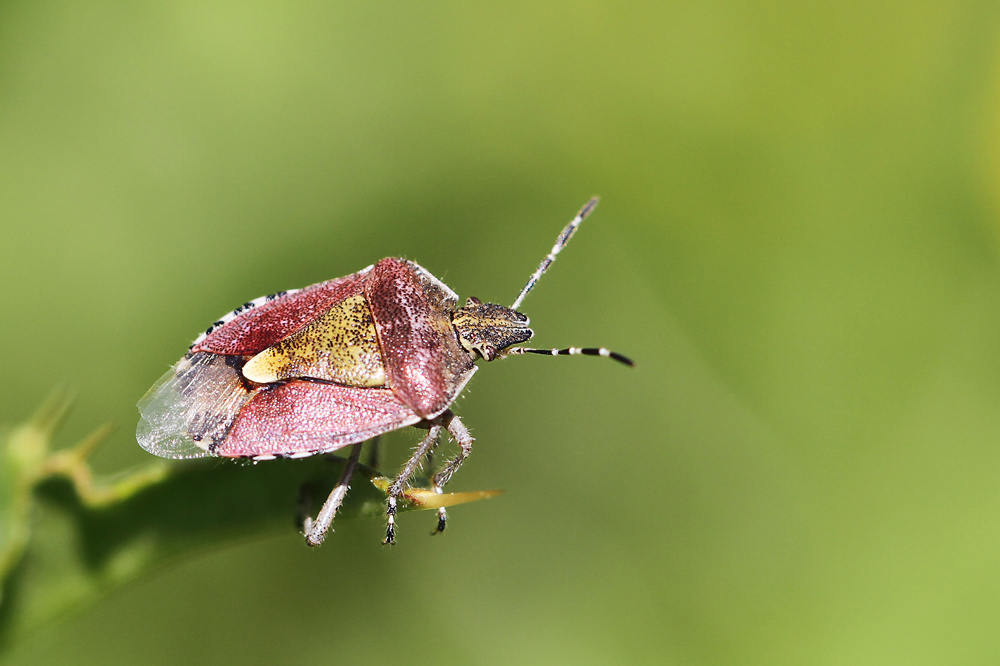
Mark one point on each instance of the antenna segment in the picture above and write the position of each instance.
(564, 237)
(573, 351)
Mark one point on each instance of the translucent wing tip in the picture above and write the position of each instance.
(191, 405)
(161, 430)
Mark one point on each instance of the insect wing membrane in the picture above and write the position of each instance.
(191, 406)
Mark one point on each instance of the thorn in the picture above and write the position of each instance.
(53, 411)
(89, 444)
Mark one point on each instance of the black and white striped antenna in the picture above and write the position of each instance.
(573, 351)
(564, 237)
(561, 242)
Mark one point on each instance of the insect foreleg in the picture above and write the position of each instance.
(460, 434)
(396, 489)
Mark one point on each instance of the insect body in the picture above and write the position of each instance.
(332, 365)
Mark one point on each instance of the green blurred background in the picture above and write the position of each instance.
(797, 242)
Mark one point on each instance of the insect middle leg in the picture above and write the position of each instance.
(460, 434)
(316, 529)
(396, 489)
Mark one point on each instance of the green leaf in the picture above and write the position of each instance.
(66, 540)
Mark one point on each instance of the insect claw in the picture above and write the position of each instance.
(442, 521)
(390, 528)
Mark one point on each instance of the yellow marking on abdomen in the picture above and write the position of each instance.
(340, 346)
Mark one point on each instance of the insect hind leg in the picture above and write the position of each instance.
(316, 529)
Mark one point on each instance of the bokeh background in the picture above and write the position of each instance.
(797, 241)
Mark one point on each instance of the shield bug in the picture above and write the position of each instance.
(332, 365)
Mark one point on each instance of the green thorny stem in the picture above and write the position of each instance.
(26, 462)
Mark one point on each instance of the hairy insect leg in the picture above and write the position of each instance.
(429, 458)
(396, 489)
(460, 434)
(316, 529)
(442, 512)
